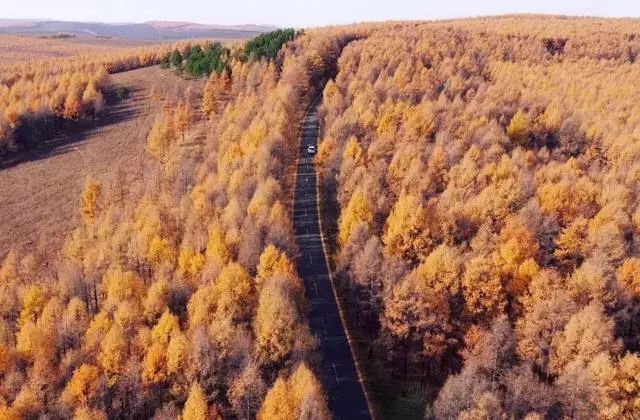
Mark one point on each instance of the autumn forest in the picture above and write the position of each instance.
(478, 196)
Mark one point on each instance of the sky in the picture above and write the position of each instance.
(300, 13)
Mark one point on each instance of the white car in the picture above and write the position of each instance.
(311, 150)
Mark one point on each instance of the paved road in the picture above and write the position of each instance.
(346, 395)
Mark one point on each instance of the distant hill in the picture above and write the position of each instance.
(139, 31)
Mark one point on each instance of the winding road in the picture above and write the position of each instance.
(347, 398)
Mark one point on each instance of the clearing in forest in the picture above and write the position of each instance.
(40, 188)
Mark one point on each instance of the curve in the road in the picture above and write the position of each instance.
(339, 373)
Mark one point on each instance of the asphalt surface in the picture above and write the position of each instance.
(338, 372)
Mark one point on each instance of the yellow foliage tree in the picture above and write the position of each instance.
(73, 105)
(587, 334)
(234, 292)
(617, 386)
(482, 289)
(32, 342)
(167, 327)
(154, 365)
(177, 354)
(9, 268)
(358, 211)
(98, 327)
(325, 149)
(83, 386)
(190, 263)
(157, 299)
(161, 136)
(406, 232)
(33, 303)
(92, 98)
(273, 262)
(196, 406)
(299, 396)
(625, 387)
(569, 199)
(201, 305)
(26, 404)
(225, 81)
(217, 249)
(353, 151)
(160, 251)
(515, 257)
(441, 270)
(628, 276)
(128, 315)
(182, 118)
(6, 359)
(551, 118)
(277, 325)
(278, 404)
(86, 413)
(113, 354)
(122, 285)
(572, 241)
(518, 129)
(209, 95)
(89, 200)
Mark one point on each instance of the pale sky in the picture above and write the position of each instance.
(302, 12)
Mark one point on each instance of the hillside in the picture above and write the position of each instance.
(157, 30)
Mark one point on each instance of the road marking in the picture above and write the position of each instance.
(335, 372)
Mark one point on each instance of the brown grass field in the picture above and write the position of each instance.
(14, 49)
(40, 189)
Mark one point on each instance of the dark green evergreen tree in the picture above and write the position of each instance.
(269, 44)
(176, 59)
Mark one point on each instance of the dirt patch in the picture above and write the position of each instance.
(40, 188)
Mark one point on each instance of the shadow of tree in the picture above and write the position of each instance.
(63, 138)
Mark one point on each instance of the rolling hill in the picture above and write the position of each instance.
(139, 31)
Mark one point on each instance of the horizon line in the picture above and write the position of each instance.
(328, 24)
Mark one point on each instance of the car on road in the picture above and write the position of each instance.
(311, 150)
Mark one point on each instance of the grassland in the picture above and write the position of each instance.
(15, 49)
(39, 189)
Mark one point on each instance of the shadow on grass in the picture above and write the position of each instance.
(57, 139)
